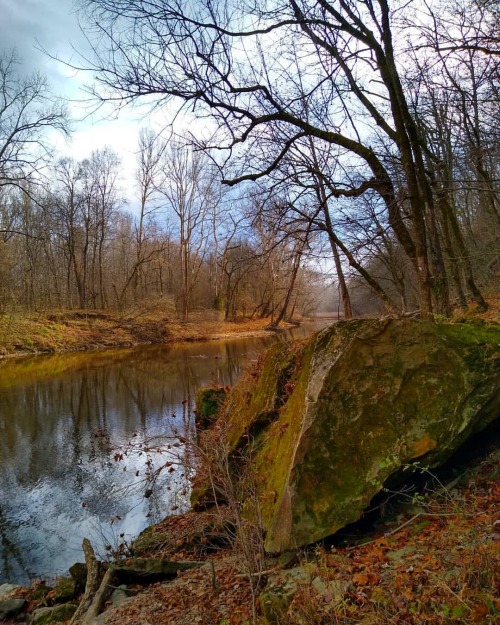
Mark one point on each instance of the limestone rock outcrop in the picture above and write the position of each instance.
(356, 409)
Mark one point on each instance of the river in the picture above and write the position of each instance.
(81, 437)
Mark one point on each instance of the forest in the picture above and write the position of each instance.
(349, 159)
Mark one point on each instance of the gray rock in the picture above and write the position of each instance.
(119, 596)
(57, 614)
(144, 567)
(8, 589)
(11, 607)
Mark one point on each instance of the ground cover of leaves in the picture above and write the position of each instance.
(437, 564)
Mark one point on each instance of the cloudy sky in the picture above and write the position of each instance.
(28, 26)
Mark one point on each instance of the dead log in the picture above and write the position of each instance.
(91, 585)
(99, 597)
(144, 568)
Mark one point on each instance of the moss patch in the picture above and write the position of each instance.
(209, 399)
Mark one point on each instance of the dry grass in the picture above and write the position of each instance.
(67, 331)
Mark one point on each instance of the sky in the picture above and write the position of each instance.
(32, 25)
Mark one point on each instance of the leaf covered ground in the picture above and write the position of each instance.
(434, 562)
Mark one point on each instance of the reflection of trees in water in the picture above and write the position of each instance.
(56, 419)
(12, 559)
(57, 435)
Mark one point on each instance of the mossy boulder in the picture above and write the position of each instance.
(78, 572)
(10, 608)
(65, 589)
(360, 405)
(58, 614)
(208, 401)
(248, 409)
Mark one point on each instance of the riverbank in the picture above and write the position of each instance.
(433, 558)
(90, 330)
(69, 331)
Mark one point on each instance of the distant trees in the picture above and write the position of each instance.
(83, 206)
(363, 133)
(272, 77)
(27, 112)
(188, 190)
(187, 246)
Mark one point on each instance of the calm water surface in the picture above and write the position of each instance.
(73, 430)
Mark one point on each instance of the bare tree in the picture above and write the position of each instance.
(187, 187)
(149, 169)
(233, 62)
(27, 111)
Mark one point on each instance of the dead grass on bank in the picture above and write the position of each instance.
(68, 331)
(83, 330)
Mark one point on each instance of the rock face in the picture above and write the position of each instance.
(351, 411)
(57, 614)
(11, 607)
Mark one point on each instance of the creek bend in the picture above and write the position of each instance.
(65, 420)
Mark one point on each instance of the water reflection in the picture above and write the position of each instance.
(62, 418)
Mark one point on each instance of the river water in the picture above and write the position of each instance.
(81, 436)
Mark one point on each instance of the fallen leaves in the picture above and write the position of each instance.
(436, 568)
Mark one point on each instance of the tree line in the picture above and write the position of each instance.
(365, 133)
(69, 241)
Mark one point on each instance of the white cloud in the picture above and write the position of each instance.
(31, 26)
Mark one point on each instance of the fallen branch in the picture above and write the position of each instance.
(265, 573)
(91, 584)
(95, 594)
(99, 597)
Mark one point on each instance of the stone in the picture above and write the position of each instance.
(57, 614)
(7, 590)
(152, 567)
(357, 409)
(280, 590)
(78, 572)
(119, 596)
(65, 589)
(9, 608)
(208, 401)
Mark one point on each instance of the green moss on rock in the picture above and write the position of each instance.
(65, 589)
(369, 398)
(209, 399)
(255, 400)
(58, 614)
